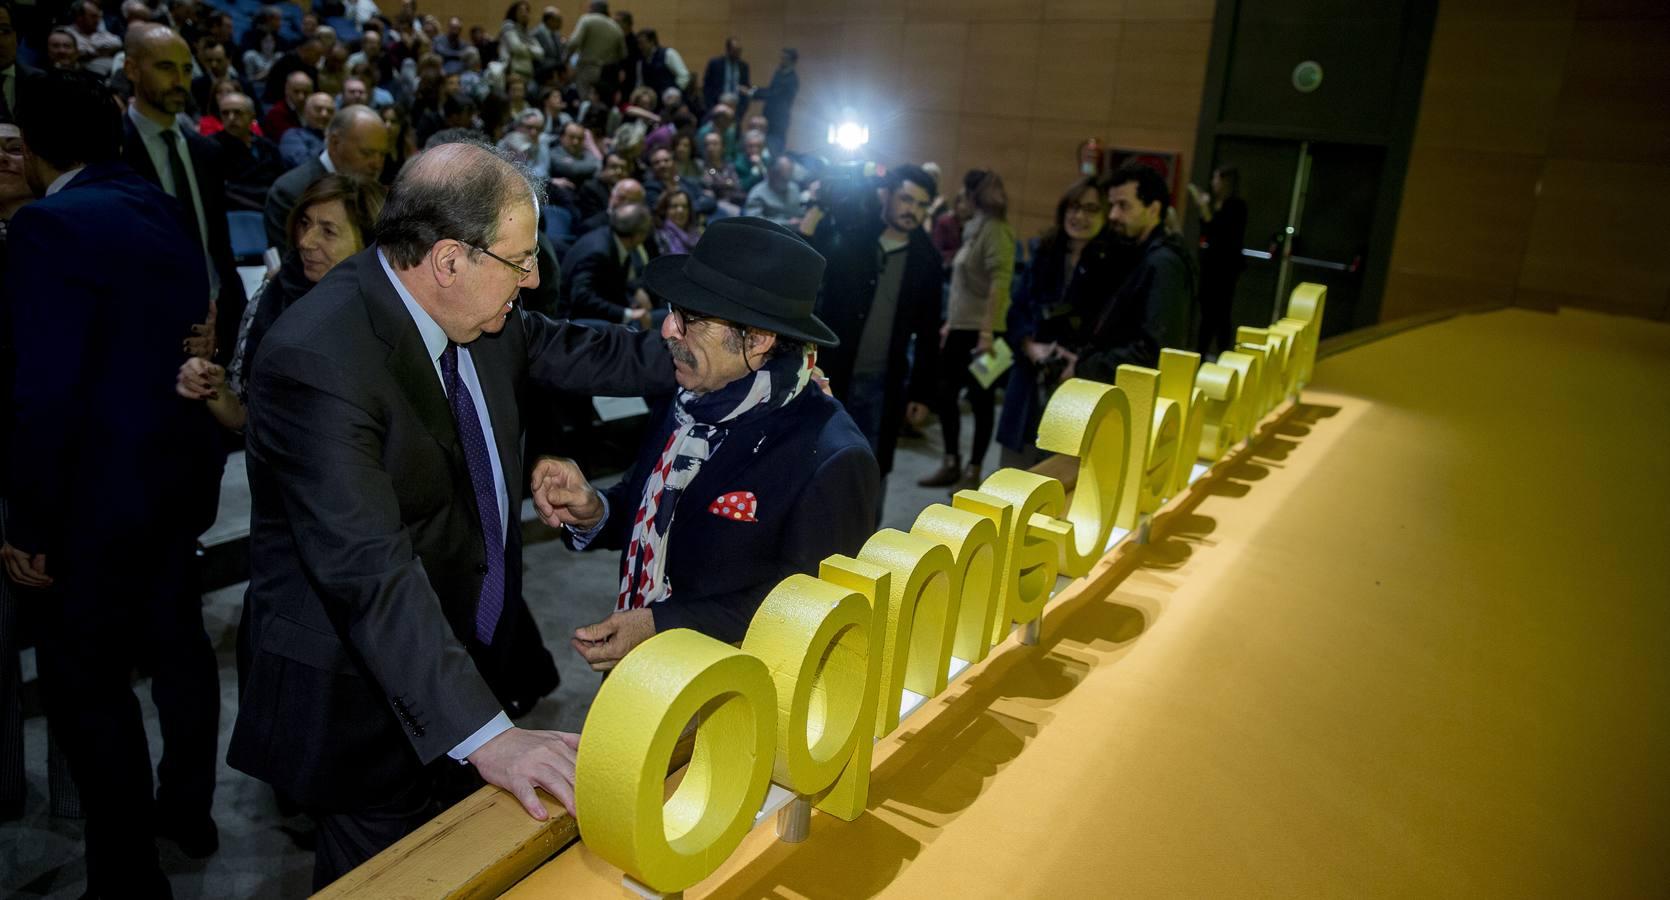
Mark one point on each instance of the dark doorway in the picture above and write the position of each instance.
(1314, 102)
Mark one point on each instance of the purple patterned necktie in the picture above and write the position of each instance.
(491, 603)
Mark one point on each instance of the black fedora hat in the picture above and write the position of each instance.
(750, 271)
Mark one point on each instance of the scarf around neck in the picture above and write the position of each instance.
(700, 424)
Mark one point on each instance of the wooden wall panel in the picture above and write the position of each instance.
(1493, 84)
(1599, 236)
(931, 76)
(1000, 69)
(1162, 68)
(1075, 72)
(1086, 10)
(1472, 217)
(1613, 105)
(1563, 96)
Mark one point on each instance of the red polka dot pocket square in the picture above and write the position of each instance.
(738, 506)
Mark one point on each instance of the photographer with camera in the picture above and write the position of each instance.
(1076, 268)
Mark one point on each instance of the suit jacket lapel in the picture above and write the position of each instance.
(408, 359)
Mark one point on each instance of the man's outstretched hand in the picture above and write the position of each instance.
(520, 760)
(606, 643)
(563, 496)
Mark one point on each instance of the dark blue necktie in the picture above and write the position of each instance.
(491, 603)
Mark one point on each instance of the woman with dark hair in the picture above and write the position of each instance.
(684, 154)
(1223, 231)
(678, 225)
(1075, 270)
(402, 142)
(332, 221)
(517, 50)
(979, 304)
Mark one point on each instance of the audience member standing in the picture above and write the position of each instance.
(778, 97)
(1223, 232)
(356, 142)
(1154, 305)
(333, 221)
(105, 431)
(596, 42)
(979, 304)
(662, 67)
(1074, 272)
(518, 50)
(880, 289)
(727, 74)
(390, 639)
(186, 166)
(548, 35)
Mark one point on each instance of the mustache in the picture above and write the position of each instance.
(680, 353)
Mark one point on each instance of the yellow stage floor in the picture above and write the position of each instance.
(1415, 644)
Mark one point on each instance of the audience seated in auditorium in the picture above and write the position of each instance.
(251, 162)
(777, 197)
(664, 177)
(601, 271)
(678, 225)
(287, 112)
(304, 143)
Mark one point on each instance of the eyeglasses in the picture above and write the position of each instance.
(525, 270)
(686, 318)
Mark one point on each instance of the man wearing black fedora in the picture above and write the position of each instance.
(756, 471)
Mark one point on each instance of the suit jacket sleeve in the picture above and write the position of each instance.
(588, 297)
(838, 514)
(611, 362)
(54, 313)
(1162, 287)
(324, 448)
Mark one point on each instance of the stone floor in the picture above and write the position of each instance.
(263, 854)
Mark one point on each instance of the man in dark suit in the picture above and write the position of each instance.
(767, 474)
(599, 280)
(185, 165)
(356, 143)
(106, 482)
(385, 632)
(726, 74)
(881, 288)
(13, 72)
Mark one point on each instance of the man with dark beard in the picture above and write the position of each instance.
(1155, 305)
(880, 289)
(760, 473)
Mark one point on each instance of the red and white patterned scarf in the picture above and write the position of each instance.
(701, 423)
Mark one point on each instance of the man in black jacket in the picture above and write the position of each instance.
(726, 74)
(385, 630)
(1155, 305)
(185, 165)
(761, 474)
(601, 271)
(881, 288)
